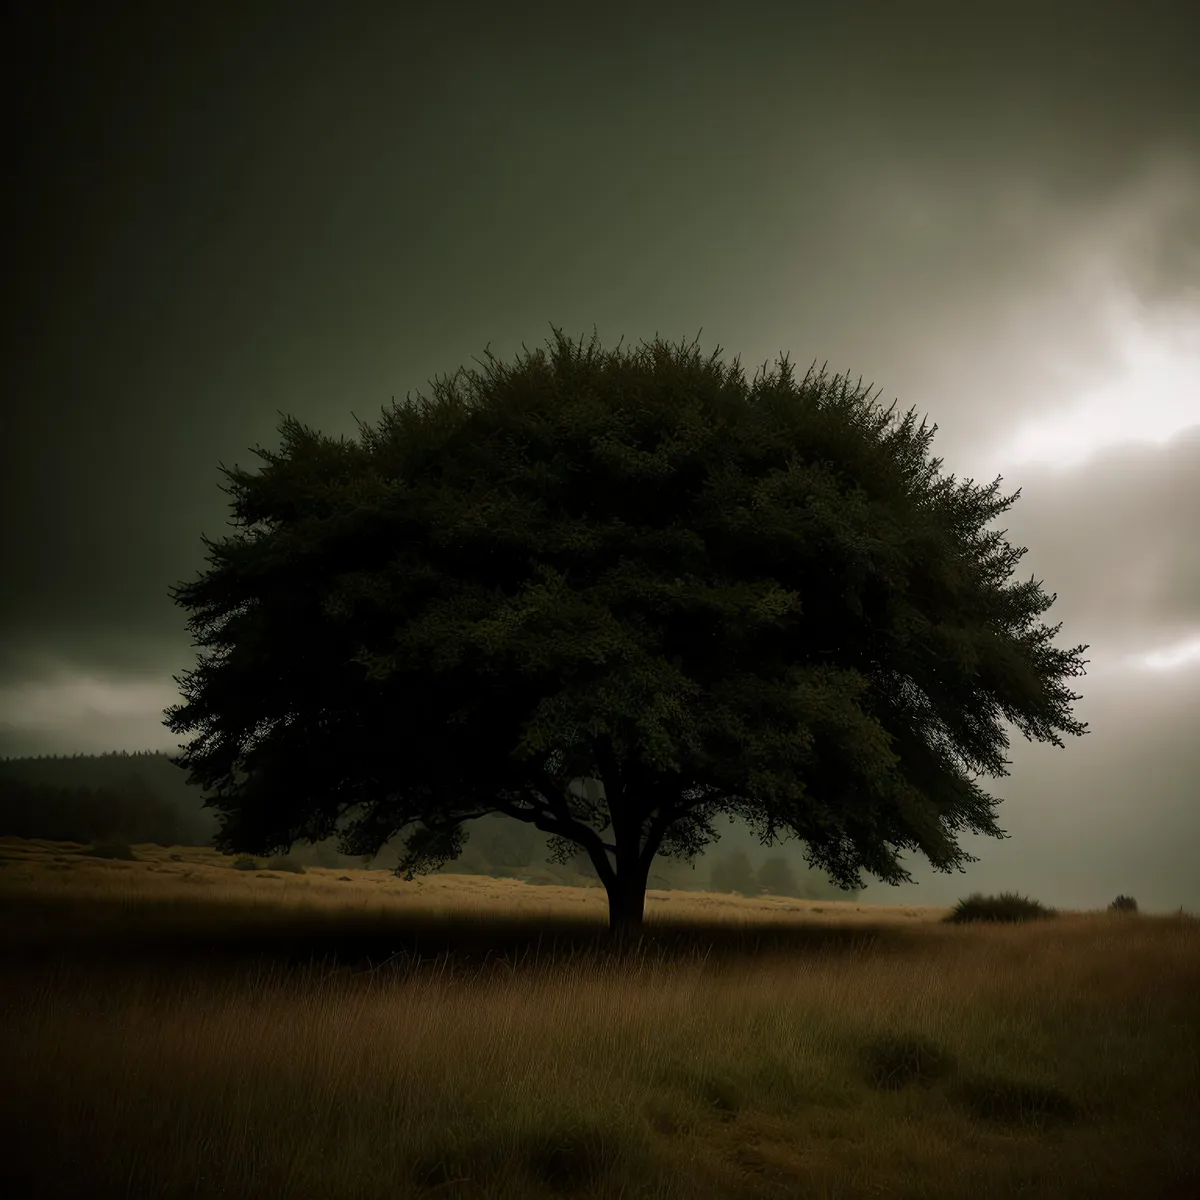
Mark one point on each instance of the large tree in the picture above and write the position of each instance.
(627, 567)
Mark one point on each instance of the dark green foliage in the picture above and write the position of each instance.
(712, 596)
(244, 863)
(733, 873)
(1006, 907)
(894, 1063)
(1124, 904)
(120, 850)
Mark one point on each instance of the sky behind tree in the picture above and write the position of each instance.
(991, 212)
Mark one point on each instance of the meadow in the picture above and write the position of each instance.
(174, 1026)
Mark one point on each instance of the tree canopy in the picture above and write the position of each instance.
(761, 599)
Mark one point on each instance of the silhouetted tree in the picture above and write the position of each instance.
(635, 568)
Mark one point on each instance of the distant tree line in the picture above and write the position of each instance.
(118, 796)
(130, 812)
(110, 797)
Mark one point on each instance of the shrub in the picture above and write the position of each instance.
(245, 863)
(1012, 1102)
(1005, 907)
(1124, 904)
(895, 1062)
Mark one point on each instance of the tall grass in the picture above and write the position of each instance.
(179, 1028)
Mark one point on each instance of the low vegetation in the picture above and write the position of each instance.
(1006, 907)
(173, 1026)
(120, 850)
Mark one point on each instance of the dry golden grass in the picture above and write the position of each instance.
(163, 1035)
(56, 869)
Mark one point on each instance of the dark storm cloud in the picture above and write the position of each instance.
(976, 207)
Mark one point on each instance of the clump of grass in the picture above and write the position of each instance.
(895, 1062)
(564, 1160)
(245, 863)
(1006, 907)
(120, 850)
(1009, 1102)
(569, 1159)
(1123, 904)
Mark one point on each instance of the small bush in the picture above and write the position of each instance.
(1009, 1102)
(570, 1160)
(245, 863)
(120, 850)
(894, 1063)
(1006, 907)
(1123, 904)
(283, 863)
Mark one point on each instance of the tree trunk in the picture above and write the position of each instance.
(625, 879)
(626, 902)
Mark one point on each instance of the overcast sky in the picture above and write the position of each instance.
(988, 211)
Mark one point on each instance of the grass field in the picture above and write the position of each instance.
(175, 1027)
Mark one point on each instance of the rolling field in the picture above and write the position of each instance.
(175, 1027)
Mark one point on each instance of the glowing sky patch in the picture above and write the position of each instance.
(1172, 658)
(1153, 395)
